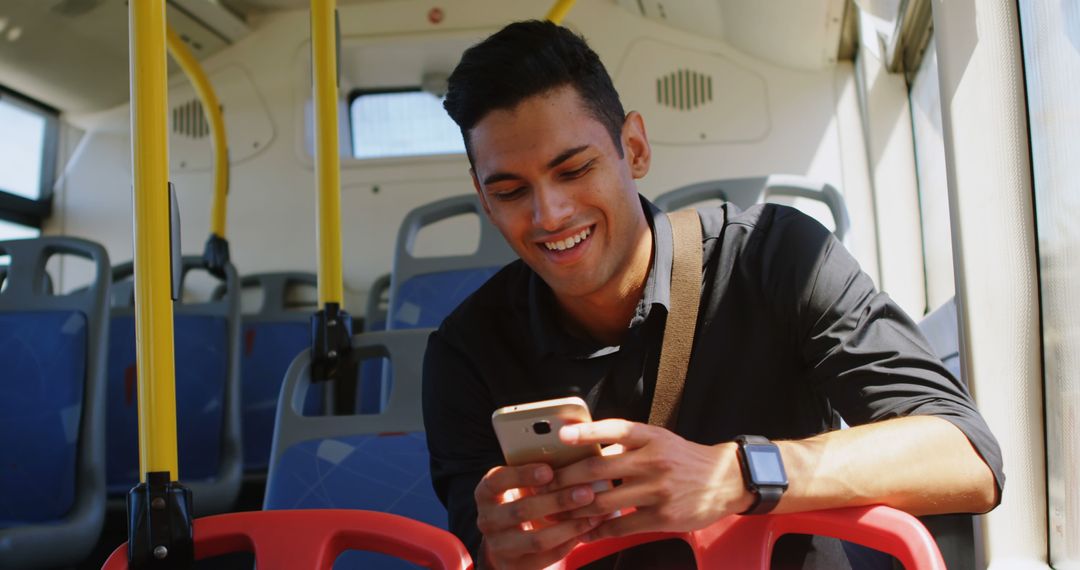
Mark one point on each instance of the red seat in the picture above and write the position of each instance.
(747, 542)
(303, 539)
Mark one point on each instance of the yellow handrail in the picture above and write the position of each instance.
(186, 60)
(327, 161)
(559, 10)
(153, 301)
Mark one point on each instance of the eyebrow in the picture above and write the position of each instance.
(561, 158)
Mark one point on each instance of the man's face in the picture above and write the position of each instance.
(552, 181)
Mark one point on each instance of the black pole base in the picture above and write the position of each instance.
(216, 255)
(331, 357)
(160, 532)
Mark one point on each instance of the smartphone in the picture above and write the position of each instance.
(529, 433)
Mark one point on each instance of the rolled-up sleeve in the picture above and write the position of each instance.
(866, 356)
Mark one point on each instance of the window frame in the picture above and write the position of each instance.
(19, 209)
(358, 92)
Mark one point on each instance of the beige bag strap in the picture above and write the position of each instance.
(681, 319)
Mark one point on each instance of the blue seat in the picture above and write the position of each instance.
(206, 347)
(373, 462)
(52, 407)
(745, 192)
(424, 290)
(272, 337)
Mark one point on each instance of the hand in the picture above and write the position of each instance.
(517, 531)
(674, 485)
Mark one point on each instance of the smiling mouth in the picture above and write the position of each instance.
(570, 242)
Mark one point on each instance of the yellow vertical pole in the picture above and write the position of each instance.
(153, 299)
(186, 60)
(327, 161)
(559, 10)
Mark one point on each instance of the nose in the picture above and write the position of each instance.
(553, 207)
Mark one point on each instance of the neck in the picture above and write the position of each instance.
(605, 314)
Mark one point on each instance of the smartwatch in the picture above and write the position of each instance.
(762, 471)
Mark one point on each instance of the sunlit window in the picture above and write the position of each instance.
(22, 146)
(28, 136)
(1051, 40)
(402, 123)
(10, 230)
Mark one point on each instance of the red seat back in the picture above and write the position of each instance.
(747, 541)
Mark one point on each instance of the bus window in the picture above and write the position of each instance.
(401, 123)
(9, 230)
(28, 134)
(1051, 42)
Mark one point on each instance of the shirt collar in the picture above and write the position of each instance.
(550, 338)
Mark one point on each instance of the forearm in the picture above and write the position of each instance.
(919, 464)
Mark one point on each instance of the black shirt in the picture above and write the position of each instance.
(791, 335)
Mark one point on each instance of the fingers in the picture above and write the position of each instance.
(501, 479)
(618, 499)
(555, 540)
(613, 449)
(642, 520)
(606, 468)
(496, 518)
(630, 434)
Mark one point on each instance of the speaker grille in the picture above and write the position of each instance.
(684, 90)
(189, 120)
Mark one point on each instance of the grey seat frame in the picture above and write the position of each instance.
(378, 301)
(491, 251)
(73, 538)
(745, 192)
(403, 413)
(275, 286)
(219, 494)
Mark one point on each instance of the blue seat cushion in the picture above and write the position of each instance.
(201, 347)
(43, 355)
(269, 349)
(387, 473)
(425, 300)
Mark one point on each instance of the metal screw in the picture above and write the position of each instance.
(331, 354)
(158, 503)
(161, 552)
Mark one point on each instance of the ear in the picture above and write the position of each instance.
(480, 193)
(635, 143)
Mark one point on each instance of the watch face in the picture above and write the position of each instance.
(766, 467)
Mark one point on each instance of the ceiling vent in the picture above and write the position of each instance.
(189, 120)
(684, 90)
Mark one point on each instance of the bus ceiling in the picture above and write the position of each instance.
(73, 54)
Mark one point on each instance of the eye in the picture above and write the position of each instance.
(579, 172)
(507, 195)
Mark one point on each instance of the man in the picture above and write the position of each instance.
(790, 334)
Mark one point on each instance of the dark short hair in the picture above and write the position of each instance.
(526, 59)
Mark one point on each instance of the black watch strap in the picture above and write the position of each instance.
(766, 497)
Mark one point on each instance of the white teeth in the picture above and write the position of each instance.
(563, 245)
